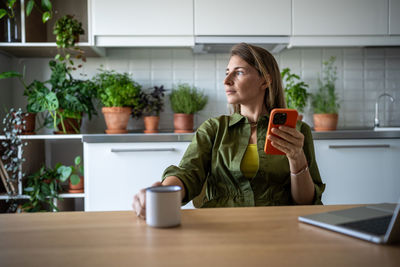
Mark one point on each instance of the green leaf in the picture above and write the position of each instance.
(64, 172)
(9, 74)
(77, 160)
(46, 16)
(75, 179)
(46, 5)
(29, 7)
(3, 12)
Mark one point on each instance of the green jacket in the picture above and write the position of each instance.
(210, 167)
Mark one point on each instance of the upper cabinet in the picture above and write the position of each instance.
(242, 18)
(142, 23)
(394, 17)
(340, 17)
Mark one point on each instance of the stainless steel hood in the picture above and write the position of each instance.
(223, 44)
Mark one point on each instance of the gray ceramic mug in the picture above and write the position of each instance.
(163, 206)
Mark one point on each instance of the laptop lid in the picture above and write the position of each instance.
(376, 223)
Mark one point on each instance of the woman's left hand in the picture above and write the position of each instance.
(290, 142)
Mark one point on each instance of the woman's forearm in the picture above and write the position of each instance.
(173, 180)
(302, 185)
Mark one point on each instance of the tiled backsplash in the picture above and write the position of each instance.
(363, 74)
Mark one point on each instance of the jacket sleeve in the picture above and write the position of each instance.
(196, 162)
(312, 163)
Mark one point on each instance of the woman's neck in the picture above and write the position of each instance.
(253, 112)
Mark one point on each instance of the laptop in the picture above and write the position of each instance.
(378, 223)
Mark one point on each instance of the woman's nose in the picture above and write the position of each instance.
(228, 79)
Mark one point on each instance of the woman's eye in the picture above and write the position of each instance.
(239, 72)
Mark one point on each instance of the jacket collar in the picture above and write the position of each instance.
(236, 117)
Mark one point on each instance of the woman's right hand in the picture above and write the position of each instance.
(139, 202)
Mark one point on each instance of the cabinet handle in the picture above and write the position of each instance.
(359, 146)
(119, 150)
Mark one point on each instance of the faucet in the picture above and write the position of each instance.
(376, 122)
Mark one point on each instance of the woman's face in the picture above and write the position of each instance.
(243, 84)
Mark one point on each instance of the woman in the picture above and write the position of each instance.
(225, 165)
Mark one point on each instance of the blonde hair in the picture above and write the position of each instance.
(266, 65)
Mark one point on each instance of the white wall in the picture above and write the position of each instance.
(5, 88)
(363, 74)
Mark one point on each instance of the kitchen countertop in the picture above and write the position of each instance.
(355, 133)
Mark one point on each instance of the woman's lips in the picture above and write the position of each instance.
(229, 92)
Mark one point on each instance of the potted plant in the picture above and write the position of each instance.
(74, 174)
(118, 94)
(295, 91)
(13, 32)
(67, 31)
(325, 101)
(39, 97)
(75, 98)
(42, 187)
(152, 104)
(185, 101)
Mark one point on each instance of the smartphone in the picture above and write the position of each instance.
(278, 117)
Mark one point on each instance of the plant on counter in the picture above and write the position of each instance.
(42, 188)
(39, 99)
(75, 98)
(119, 94)
(13, 122)
(325, 101)
(67, 31)
(185, 101)
(74, 174)
(295, 91)
(152, 103)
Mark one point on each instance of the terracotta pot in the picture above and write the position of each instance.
(151, 124)
(116, 119)
(30, 121)
(78, 188)
(325, 122)
(72, 126)
(183, 123)
(300, 117)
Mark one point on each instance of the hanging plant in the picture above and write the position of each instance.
(67, 31)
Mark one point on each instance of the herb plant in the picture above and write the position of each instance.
(187, 99)
(152, 103)
(295, 90)
(117, 90)
(325, 100)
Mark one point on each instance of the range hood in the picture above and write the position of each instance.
(223, 44)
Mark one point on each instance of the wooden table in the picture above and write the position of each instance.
(262, 236)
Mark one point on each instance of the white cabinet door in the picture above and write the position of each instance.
(114, 172)
(236, 17)
(142, 22)
(340, 17)
(359, 171)
(394, 17)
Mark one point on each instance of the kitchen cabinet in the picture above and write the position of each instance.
(394, 18)
(359, 171)
(341, 17)
(235, 17)
(115, 172)
(143, 23)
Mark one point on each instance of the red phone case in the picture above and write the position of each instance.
(291, 121)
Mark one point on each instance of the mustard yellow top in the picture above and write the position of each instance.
(249, 165)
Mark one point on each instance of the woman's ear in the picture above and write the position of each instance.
(267, 82)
